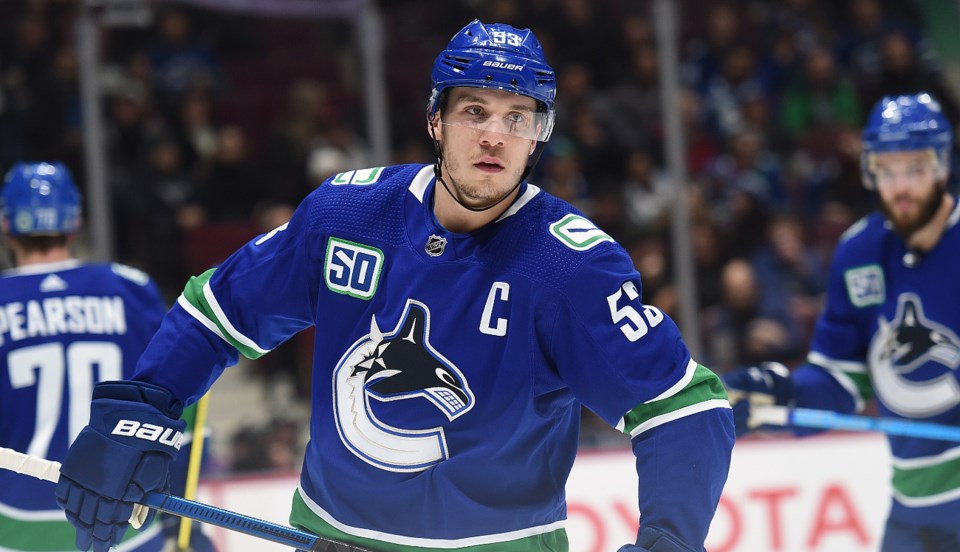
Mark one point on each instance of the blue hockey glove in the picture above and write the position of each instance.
(654, 540)
(124, 453)
(768, 383)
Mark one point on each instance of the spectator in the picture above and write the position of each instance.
(152, 212)
(630, 112)
(30, 96)
(747, 327)
(580, 36)
(702, 146)
(562, 174)
(650, 256)
(181, 62)
(339, 149)
(575, 87)
(133, 123)
(757, 169)
(647, 194)
(293, 137)
(231, 188)
(800, 24)
(902, 71)
(709, 254)
(860, 40)
(196, 129)
(819, 101)
(703, 59)
(791, 273)
(736, 80)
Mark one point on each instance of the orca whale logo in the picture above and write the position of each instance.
(904, 345)
(397, 366)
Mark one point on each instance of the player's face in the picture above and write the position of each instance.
(485, 138)
(910, 187)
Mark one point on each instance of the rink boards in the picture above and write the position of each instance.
(828, 493)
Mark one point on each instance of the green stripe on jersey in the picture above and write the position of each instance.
(36, 536)
(860, 379)
(302, 517)
(47, 535)
(703, 387)
(864, 386)
(928, 481)
(193, 293)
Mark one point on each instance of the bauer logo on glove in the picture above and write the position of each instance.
(149, 432)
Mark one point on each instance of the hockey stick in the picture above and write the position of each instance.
(825, 419)
(204, 513)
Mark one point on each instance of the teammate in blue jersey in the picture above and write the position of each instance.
(462, 317)
(889, 330)
(64, 326)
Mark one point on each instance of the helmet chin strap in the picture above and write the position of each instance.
(436, 171)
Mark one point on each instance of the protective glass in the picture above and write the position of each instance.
(525, 124)
(886, 170)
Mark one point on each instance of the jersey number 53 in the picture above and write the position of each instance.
(629, 320)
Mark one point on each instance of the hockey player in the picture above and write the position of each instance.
(64, 326)
(462, 318)
(889, 328)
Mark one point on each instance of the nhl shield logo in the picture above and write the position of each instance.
(435, 245)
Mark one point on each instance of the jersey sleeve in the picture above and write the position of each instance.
(617, 354)
(627, 362)
(820, 388)
(839, 346)
(263, 294)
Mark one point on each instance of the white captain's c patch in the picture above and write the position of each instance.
(578, 233)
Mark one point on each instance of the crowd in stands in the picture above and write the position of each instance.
(219, 123)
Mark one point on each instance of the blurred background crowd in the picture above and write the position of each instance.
(219, 122)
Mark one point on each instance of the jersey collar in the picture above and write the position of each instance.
(42, 268)
(423, 227)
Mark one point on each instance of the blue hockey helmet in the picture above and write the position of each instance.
(40, 199)
(496, 56)
(906, 123)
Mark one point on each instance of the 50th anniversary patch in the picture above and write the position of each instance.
(352, 268)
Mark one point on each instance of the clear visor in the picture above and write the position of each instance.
(525, 124)
(903, 166)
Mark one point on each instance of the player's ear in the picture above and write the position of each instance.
(533, 147)
(433, 126)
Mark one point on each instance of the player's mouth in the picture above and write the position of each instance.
(904, 204)
(489, 165)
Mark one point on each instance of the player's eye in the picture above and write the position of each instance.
(516, 118)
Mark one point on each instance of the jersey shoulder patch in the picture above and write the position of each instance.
(578, 233)
(358, 177)
(865, 285)
(136, 276)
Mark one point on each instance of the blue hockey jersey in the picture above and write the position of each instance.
(449, 369)
(890, 331)
(63, 327)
